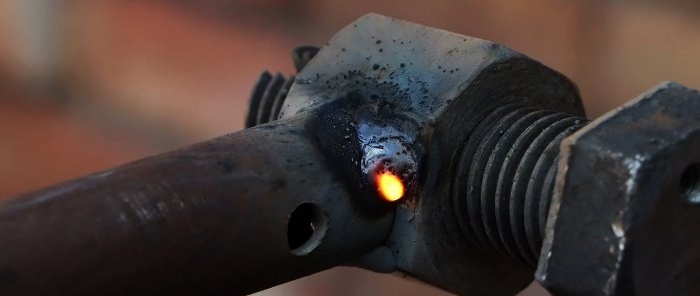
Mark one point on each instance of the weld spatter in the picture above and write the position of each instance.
(393, 88)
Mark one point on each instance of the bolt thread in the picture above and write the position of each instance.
(267, 98)
(505, 178)
(270, 92)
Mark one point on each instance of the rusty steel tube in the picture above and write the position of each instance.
(213, 218)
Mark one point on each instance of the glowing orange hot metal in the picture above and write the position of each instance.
(389, 186)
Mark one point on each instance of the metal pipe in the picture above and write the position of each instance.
(220, 217)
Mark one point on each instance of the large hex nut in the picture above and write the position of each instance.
(444, 84)
(616, 176)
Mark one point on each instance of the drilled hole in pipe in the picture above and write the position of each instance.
(306, 228)
(690, 184)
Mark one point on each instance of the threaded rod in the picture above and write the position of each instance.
(505, 178)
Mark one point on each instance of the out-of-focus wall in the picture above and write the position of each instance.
(85, 85)
(29, 32)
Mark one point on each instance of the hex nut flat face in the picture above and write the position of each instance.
(615, 176)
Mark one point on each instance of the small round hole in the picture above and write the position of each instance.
(690, 183)
(305, 229)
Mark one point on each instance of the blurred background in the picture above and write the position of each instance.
(85, 85)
